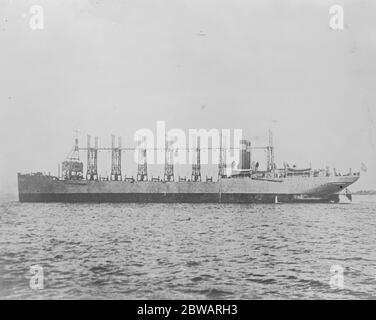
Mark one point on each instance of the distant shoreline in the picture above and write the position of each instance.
(365, 192)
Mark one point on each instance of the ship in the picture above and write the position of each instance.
(244, 183)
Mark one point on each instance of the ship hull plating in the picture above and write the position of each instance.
(39, 188)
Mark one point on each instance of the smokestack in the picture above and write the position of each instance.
(245, 155)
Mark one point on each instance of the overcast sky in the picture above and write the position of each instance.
(111, 67)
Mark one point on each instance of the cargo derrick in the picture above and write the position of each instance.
(142, 167)
(115, 160)
(169, 163)
(196, 166)
(72, 168)
(92, 160)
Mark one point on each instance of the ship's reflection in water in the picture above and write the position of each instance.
(176, 251)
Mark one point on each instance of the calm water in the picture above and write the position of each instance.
(182, 251)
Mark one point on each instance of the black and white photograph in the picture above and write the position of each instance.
(192, 152)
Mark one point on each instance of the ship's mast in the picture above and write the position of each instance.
(222, 158)
(169, 166)
(74, 154)
(196, 167)
(270, 153)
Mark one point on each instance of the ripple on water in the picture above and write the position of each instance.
(188, 251)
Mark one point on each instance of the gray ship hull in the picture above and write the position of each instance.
(40, 188)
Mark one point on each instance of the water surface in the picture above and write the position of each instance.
(188, 251)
